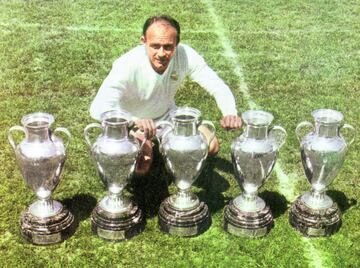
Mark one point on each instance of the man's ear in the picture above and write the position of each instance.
(143, 39)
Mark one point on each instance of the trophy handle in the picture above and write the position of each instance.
(86, 132)
(10, 137)
(352, 130)
(300, 126)
(164, 123)
(278, 135)
(212, 128)
(63, 130)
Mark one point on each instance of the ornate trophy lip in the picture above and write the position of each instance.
(40, 119)
(257, 118)
(185, 114)
(115, 117)
(327, 116)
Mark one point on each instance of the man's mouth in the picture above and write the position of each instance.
(162, 62)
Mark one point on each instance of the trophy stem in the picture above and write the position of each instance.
(249, 202)
(249, 197)
(45, 207)
(317, 199)
(115, 202)
(184, 199)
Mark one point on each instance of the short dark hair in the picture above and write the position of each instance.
(165, 18)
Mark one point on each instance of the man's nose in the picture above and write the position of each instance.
(161, 52)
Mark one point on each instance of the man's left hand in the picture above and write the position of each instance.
(231, 122)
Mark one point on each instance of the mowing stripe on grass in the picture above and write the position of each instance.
(286, 186)
(87, 28)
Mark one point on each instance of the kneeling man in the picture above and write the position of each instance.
(143, 83)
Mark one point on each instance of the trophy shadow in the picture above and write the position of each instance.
(151, 189)
(340, 198)
(277, 202)
(81, 206)
(213, 184)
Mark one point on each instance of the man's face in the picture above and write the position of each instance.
(160, 42)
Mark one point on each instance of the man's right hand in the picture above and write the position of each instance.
(147, 126)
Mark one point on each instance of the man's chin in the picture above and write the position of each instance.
(160, 68)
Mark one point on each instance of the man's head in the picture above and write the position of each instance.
(161, 34)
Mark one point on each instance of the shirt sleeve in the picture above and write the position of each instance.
(201, 73)
(109, 95)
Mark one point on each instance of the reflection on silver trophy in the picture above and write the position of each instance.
(40, 157)
(185, 150)
(322, 154)
(253, 156)
(115, 152)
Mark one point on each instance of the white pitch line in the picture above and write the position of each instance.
(287, 187)
(312, 254)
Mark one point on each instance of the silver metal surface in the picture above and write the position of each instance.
(185, 150)
(254, 155)
(322, 154)
(114, 153)
(40, 157)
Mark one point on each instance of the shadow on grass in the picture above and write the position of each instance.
(341, 199)
(150, 190)
(80, 206)
(277, 202)
(213, 184)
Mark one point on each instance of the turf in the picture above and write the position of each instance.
(295, 56)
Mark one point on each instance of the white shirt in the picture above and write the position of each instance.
(133, 85)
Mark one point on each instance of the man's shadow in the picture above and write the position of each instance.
(151, 189)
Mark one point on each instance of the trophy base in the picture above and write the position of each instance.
(185, 223)
(47, 230)
(117, 226)
(247, 224)
(314, 222)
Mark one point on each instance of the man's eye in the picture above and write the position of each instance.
(155, 46)
(169, 47)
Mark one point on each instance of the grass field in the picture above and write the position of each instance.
(286, 57)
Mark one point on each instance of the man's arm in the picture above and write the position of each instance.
(201, 73)
(109, 95)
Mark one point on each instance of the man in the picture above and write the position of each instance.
(143, 82)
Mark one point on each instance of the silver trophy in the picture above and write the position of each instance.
(40, 157)
(115, 153)
(185, 150)
(253, 156)
(322, 154)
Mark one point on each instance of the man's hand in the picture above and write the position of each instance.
(231, 122)
(148, 126)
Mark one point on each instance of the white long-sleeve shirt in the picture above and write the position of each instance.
(133, 86)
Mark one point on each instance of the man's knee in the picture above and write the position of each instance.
(213, 142)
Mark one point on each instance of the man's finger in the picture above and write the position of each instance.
(153, 128)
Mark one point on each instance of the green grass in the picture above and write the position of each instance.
(296, 56)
